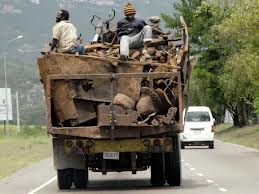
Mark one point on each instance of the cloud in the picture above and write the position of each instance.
(9, 9)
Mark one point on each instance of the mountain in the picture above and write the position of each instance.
(34, 20)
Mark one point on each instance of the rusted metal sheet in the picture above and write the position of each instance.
(129, 86)
(123, 117)
(58, 78)
(85, 112)
(95, 132)
(62, 100)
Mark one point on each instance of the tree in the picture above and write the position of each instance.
(238, 84)
(224, 36)
(239, 80)
(185, 8)
(204, 87)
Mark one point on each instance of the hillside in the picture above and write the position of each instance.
(34, 18)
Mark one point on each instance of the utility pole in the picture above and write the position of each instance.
(5, 75)
(17, 112)
(6, 99)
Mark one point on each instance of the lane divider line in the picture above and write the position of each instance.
(208, 180)
(223, 189)
(43, 185)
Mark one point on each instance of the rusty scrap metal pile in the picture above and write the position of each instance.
(162, 50)
(128, 100)
(156, 103)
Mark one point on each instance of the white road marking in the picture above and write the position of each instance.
(43, 185)
(210, 181)
(223, 189)
(200, 174)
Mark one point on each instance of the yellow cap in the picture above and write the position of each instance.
(129, 9)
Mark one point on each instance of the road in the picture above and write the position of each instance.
(229, 169)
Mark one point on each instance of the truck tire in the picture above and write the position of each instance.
(173, 164)
(81, 178)
(182, 145)
(157, 170)
(211, 145)
(65, 178)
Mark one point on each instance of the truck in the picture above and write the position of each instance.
(107, 115)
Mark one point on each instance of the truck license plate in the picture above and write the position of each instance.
(111, 155)
(197, 132)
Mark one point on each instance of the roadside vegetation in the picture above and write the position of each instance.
(225, 39)
(247, 136)
(20, 150)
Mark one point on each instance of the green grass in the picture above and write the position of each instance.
(247, 136)
(19, 150)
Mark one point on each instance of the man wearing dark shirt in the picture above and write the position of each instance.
(133, 33)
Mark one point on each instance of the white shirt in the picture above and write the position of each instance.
(66, 34)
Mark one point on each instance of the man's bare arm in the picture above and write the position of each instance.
(54, 44)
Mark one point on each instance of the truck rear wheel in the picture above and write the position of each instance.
(173, 164)
(65, 178)
(211, 145)
(182, 145)
(81, 178)
(157, 169)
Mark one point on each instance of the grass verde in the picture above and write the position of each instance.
(19, 150)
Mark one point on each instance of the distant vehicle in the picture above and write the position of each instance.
(198, 127)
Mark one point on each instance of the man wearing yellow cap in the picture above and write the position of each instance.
(132, 32)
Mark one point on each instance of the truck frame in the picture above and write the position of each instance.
(112, 143)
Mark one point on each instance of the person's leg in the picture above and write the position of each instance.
(124, 47)
(142, 38)
(80, 49)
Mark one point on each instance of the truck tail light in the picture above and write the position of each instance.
(167, 142)
(157, 142)
(69, 144)
(89, 143)
(146, 142)
(79, 144)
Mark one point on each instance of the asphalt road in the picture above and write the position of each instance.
(229, 169)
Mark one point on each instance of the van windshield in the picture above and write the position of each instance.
(197, 116)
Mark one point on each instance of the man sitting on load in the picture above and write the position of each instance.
(133, 33)
(65, 35)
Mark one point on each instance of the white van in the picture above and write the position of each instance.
(198, 127)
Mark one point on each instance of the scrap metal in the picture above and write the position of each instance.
(98, 90)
